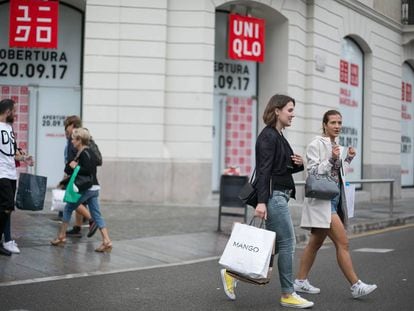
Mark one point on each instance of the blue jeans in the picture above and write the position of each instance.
(89, 197)
(280, 221)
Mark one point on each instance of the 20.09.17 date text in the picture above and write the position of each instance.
(52, 71)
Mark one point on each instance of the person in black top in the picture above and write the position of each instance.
(87, 162)
(73, 122)
(275, 164)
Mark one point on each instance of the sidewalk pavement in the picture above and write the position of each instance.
(147, 236)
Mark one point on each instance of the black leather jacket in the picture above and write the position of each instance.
(87, 163)
(274, 163)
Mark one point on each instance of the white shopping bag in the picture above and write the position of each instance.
(350, 199)
(248, 251)
(57, 200)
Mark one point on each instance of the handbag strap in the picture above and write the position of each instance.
(79, 153)
(270, 183)
(253, 175)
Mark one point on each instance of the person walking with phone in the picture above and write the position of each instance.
(328, 218)
(275, 164)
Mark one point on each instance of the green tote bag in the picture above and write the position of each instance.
(70, 195)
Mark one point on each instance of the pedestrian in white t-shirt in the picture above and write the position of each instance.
(8, 173)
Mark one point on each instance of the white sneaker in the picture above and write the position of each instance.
(304, 286)
(11, 246)
(360, 289)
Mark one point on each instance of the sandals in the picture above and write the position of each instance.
(58, 242)
(104, 248)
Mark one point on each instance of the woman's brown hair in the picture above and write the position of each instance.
(72, 120)
(276, 101)
(326, 116)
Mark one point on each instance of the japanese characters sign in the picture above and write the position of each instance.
(407, 127)
(351, 102)
(246, 38)
(33, 24)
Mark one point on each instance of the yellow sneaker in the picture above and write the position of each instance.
(295, 301)
(229, 284)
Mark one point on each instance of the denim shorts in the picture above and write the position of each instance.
(334, 204)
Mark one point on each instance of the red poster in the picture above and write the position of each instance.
(343, 71)
(246, 38)
(408, 93)
(354, 75)
(33, 24)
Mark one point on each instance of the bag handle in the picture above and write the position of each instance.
(253, 222)
(318, 176)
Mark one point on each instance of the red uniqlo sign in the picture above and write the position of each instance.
(408, 93)
(33, 24)
(343, 71)
(402, 91)
(354, 75)
(246, 38)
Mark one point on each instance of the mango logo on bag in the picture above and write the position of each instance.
(250, 248)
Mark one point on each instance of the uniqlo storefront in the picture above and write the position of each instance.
(43, 78)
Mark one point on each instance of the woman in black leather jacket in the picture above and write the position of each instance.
(275, 164)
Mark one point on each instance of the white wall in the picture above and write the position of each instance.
(148, 81)
(125, 77)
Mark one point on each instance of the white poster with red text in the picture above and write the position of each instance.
(407, 126)
(351, 102)
(235, 104)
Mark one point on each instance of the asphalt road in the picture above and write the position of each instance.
(389, 263)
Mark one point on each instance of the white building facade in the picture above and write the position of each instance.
(156, 89)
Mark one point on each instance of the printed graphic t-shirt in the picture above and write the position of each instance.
(7, 152)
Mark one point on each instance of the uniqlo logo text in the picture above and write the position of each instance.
(408, 93)
(354, 75)
(343, 71)
(33, 24)
(402, 91)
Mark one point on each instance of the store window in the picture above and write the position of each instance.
(407, 126)
(235, 108)
(351, 77)
(45, 82)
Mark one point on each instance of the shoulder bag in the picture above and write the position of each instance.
(248, 193)
(320, 186)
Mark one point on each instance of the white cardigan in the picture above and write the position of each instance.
(316, 213)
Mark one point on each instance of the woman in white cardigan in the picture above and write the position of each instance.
(328, 217)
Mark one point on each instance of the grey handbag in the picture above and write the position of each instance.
(320, 186)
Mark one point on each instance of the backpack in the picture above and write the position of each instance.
(95, 149)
